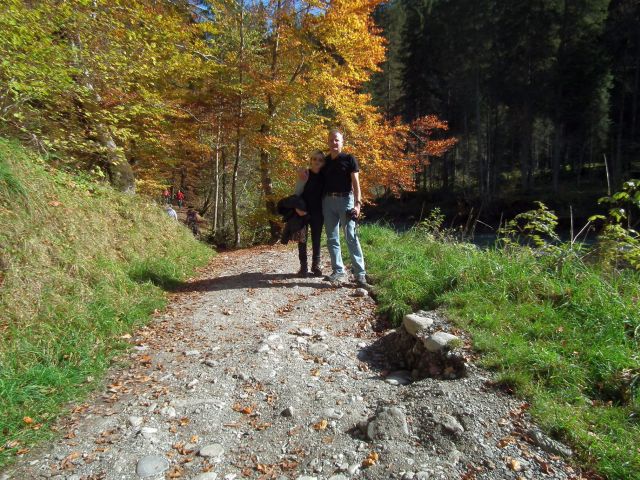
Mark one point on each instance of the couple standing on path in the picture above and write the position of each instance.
(332, 194)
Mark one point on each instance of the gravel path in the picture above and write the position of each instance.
(254, 373)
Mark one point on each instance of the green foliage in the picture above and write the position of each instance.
(565, 335)
(618, 243)
(79, 268)
(536, 227)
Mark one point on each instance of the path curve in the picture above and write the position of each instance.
(254, 373)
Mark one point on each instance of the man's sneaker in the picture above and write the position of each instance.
(316, 271)
(335, 277)
(361, 282)
(303, 272)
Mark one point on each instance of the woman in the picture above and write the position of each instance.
(310, 187)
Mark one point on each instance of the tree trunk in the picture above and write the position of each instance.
(223, 216)
(216, 187)
(265, 130)
(556, 154)
(236, 163)
(120, 172)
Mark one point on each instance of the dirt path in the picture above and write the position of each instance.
(253, 373)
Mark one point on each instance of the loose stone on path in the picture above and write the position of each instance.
(151, 465)
(213, 451)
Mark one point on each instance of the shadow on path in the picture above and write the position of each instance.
(230, 282)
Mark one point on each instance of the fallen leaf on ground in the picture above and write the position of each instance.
(371, 460)
(514, 464)
(321, 425)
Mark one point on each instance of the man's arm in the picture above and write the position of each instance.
(357, 194)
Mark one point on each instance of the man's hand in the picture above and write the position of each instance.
(357, 207)
(303, 174)
(302, 213)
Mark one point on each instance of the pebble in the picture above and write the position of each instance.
(206, 476)
(263, 348)
(400, 377)
(307, 332)
(213, 450)
(353, 468)
(192, 383)
(148, 432)
(360, 292)
(168, 412)
(192, 353)
(287, 412)
(135, 422)
(332, 413)
(339, 476)
(151, 465)
(408, 476)
(450, 424)
(422, 476)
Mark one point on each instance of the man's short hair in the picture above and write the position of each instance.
(336, 131)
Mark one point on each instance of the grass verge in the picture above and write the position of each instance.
(77, 269)
(564, 336)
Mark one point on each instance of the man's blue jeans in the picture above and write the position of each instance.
(335, 215)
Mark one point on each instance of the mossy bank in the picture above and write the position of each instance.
(80, 265)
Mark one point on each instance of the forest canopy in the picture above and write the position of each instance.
(222, 99)
(542, 95)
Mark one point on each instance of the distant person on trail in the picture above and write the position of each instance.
(341, 206)
(180, 198)
(166, 196)
(193, 220)
(172, 213)
(310, 186)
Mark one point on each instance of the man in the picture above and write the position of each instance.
(180, 198)
(341, 207)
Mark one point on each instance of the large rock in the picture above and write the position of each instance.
(440, 341)
(388, 424)
(414, 323)
(151, 465)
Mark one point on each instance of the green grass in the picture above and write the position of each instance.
(80, 265)
(566, 338)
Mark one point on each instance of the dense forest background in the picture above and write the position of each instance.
(477, 106)
(543, 96)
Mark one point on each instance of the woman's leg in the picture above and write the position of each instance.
(317, 221)
(302, 254)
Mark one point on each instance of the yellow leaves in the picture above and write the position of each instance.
(245, 410)
(321, 425)
(27, 420)
(371, 460)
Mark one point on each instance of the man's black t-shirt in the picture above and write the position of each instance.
(312, 193)
(337, 173)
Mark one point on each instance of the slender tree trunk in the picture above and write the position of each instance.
(265, 130)
(481, 166)
(240, 115)
(216, 194)
(556, 154)
(225, 168)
